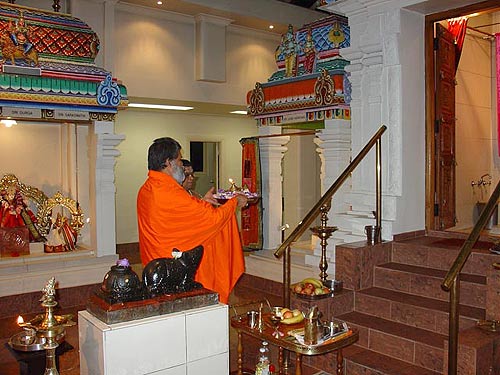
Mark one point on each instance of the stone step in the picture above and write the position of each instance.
(417, 311)
(359, 360)
(412, 345)
(440, 253)
(426, 282)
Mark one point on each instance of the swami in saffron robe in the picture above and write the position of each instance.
(168, 217)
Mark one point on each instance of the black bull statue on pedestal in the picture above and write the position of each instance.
(172, 275)
(160, 276)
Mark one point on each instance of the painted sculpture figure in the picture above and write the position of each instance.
(288, 47)
(18, 45)
(309, 53)
(14, 212)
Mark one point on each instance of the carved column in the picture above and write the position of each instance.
(103, 229)
(271, 154)
(376, 79)
(334, 150)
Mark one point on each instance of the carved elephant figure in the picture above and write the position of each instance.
(172, 275)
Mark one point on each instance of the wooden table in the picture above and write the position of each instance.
(240, 323)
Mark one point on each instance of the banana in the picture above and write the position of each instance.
(316, 282)
(293, 320)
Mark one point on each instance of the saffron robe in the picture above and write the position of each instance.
(168, 217)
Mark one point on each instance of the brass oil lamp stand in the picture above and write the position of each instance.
(324, 232)
(45, 331)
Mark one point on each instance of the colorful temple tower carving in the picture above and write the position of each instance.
(310, 83)
(48, 67)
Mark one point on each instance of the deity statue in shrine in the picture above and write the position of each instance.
(62, 237)
(14, 212)
(309, 53)
(288, 48)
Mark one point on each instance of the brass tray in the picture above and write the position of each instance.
(310, 297)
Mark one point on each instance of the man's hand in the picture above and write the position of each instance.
(242, 200)
(209, 197)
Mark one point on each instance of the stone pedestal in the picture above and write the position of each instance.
(167, 304)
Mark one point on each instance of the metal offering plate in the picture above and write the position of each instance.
(308, 297)
(26, 343)
(222, 196)
(311, 297)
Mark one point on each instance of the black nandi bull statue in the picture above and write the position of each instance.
(172, 275)
(160, 276)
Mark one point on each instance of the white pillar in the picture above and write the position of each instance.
(334, 150)
(210, 48)
(271, 155)
(103, 230)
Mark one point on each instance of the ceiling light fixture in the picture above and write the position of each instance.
(159, 2)
(271, 27)
(8, 123)
(239, 112)
(160, 106)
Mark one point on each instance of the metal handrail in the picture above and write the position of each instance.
(451, 281)
(284, 248)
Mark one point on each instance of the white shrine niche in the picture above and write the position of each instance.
(65, 106)
(78, 160)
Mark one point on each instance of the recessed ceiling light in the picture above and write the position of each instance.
(160, 106)
(159, 2)
(8, 123)
(239, 112)
(271, 27)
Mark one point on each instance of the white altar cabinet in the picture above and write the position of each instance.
(191, 342)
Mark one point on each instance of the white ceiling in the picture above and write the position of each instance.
(256, 14)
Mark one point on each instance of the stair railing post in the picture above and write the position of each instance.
(378, 190)
(453, 327)
(286, 277)
(287, 268)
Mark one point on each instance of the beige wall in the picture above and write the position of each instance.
(155, 57)
(27, 150)
(301, 180)
(142, 127)
(475, 130)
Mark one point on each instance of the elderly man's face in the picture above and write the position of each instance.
(189, 180)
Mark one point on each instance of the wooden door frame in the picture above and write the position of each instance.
(430, 113)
